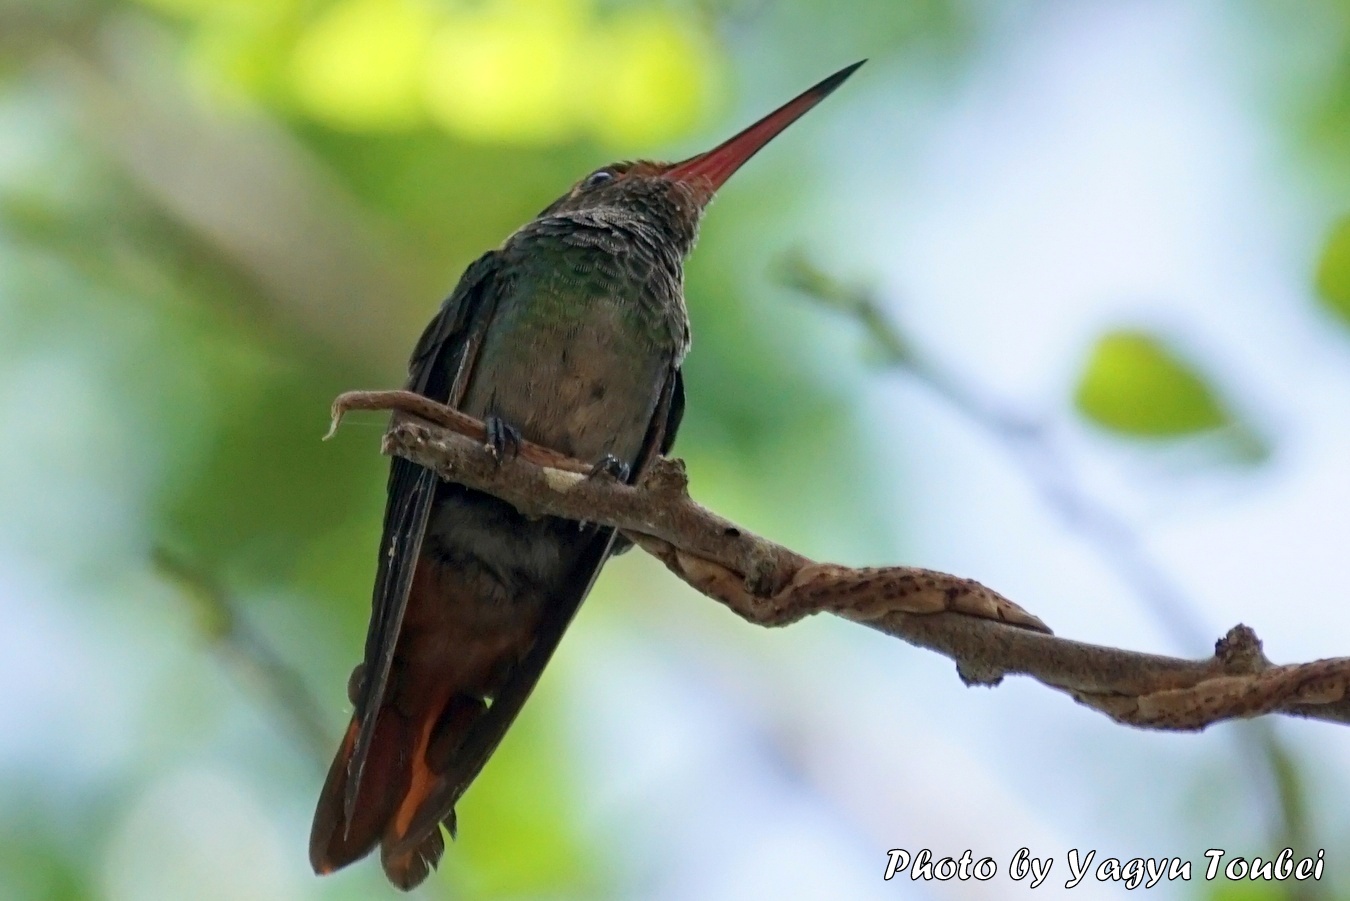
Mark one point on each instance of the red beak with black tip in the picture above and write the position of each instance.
(711, 170)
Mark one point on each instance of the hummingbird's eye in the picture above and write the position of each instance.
(597, 178)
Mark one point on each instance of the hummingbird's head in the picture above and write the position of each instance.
(671, 197)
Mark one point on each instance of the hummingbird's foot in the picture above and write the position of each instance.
(611, 466)
(503, 440)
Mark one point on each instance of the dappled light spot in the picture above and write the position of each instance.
(221, 9)
(524, 72)
(661, 80)
(359, 66)
(540, 72)
(508, 71)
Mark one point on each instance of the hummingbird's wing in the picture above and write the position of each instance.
(658, 446)
(670, 413)
(486, 731)
(403, 802)
(438, 369)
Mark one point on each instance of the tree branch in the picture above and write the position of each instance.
(985, 634)
(1032, 446)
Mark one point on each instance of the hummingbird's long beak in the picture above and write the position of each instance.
(710, 170)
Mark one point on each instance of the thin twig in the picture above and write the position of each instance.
(1027, 440)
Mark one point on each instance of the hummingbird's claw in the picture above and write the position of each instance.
(503, 440)
(611, 466)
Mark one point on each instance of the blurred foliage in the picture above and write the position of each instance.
(1244, 891)
(387, 143)
(1135, 384)
(32, 866)
(230, 210)
(531, 72)
(518, 802)
(1333, 272)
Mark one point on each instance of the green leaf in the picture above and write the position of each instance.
(1242, 891)
(1333, 272)
(1136, 385)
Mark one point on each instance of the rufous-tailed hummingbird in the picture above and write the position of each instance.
(571, 335)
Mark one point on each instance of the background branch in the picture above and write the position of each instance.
(248, 655)
(1032, 446)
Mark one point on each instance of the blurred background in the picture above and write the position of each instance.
(1054, 295)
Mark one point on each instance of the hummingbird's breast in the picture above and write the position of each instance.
(580, 345)
(577, 352)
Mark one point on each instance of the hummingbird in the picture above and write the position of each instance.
(571, 335)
